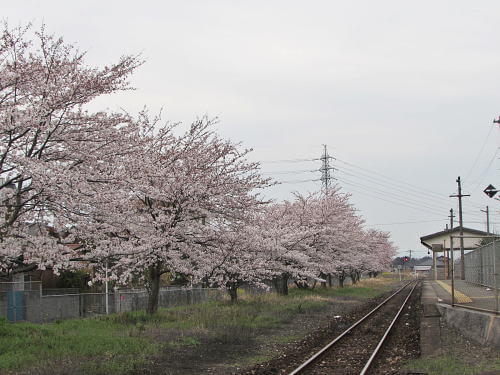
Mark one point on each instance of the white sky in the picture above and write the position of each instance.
(403, 89)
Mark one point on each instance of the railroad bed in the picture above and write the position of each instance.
(355, 350)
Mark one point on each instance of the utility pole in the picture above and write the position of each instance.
(325, 170)
(450, 269)
(461, 223)
(452, 260)
(487, 212)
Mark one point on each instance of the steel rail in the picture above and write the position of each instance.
(331, 343)
(381, 342)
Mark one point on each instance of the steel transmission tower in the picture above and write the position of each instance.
(325, 171)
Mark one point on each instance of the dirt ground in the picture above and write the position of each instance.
(218, 357)
(402, 345)
(273, 352)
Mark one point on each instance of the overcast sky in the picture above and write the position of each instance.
(403, 93)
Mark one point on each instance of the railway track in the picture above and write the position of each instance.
(355, 350)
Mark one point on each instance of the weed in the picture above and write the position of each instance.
(450, 365)
(121, 343)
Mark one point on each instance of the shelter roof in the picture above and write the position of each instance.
(471, 231)
(444, 238)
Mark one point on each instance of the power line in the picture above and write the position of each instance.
(411, 222)
(424, 197)
(295, 171)
(483, 175)
(297, 181)
(288, 161)
(403, 196)
(291, 172)
(392, 190)
(378, 180)
(443, 201)
(479, 154)
(383, 196)
(393, 180)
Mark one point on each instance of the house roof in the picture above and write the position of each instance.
(428, 262)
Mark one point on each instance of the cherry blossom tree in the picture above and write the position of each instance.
(381, 251)
(238, 258)
(160, 209)
(45, 134)
(145, 198)
(288, 239)
(339, 229)
(320, 236)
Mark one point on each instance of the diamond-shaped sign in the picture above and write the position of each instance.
(490, 191)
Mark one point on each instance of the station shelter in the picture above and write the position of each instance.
(439, 244)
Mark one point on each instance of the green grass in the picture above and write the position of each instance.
(349, 291)
(121, 343)
(23, 345)
(451, 365)
(367, 288)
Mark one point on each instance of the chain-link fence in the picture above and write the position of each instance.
(481, 265)
(26, 301)
(478, 289)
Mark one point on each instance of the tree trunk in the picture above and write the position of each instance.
(330, 281)
(353, 278)
(233, 292)
(323, 283)
(285, 285)
(205, 283)
(281, 284)
(153, 289)
(301, 284)
(341, 279)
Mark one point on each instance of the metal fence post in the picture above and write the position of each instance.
(106, 287)
(14, 305)
(495, 274)
(452, 272)
(41, 304)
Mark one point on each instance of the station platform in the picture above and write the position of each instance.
(479, 325)
(467, 294)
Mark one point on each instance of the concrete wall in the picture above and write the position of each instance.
(45, 309)
(60, 307)
(481, 327)
(33, 307)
